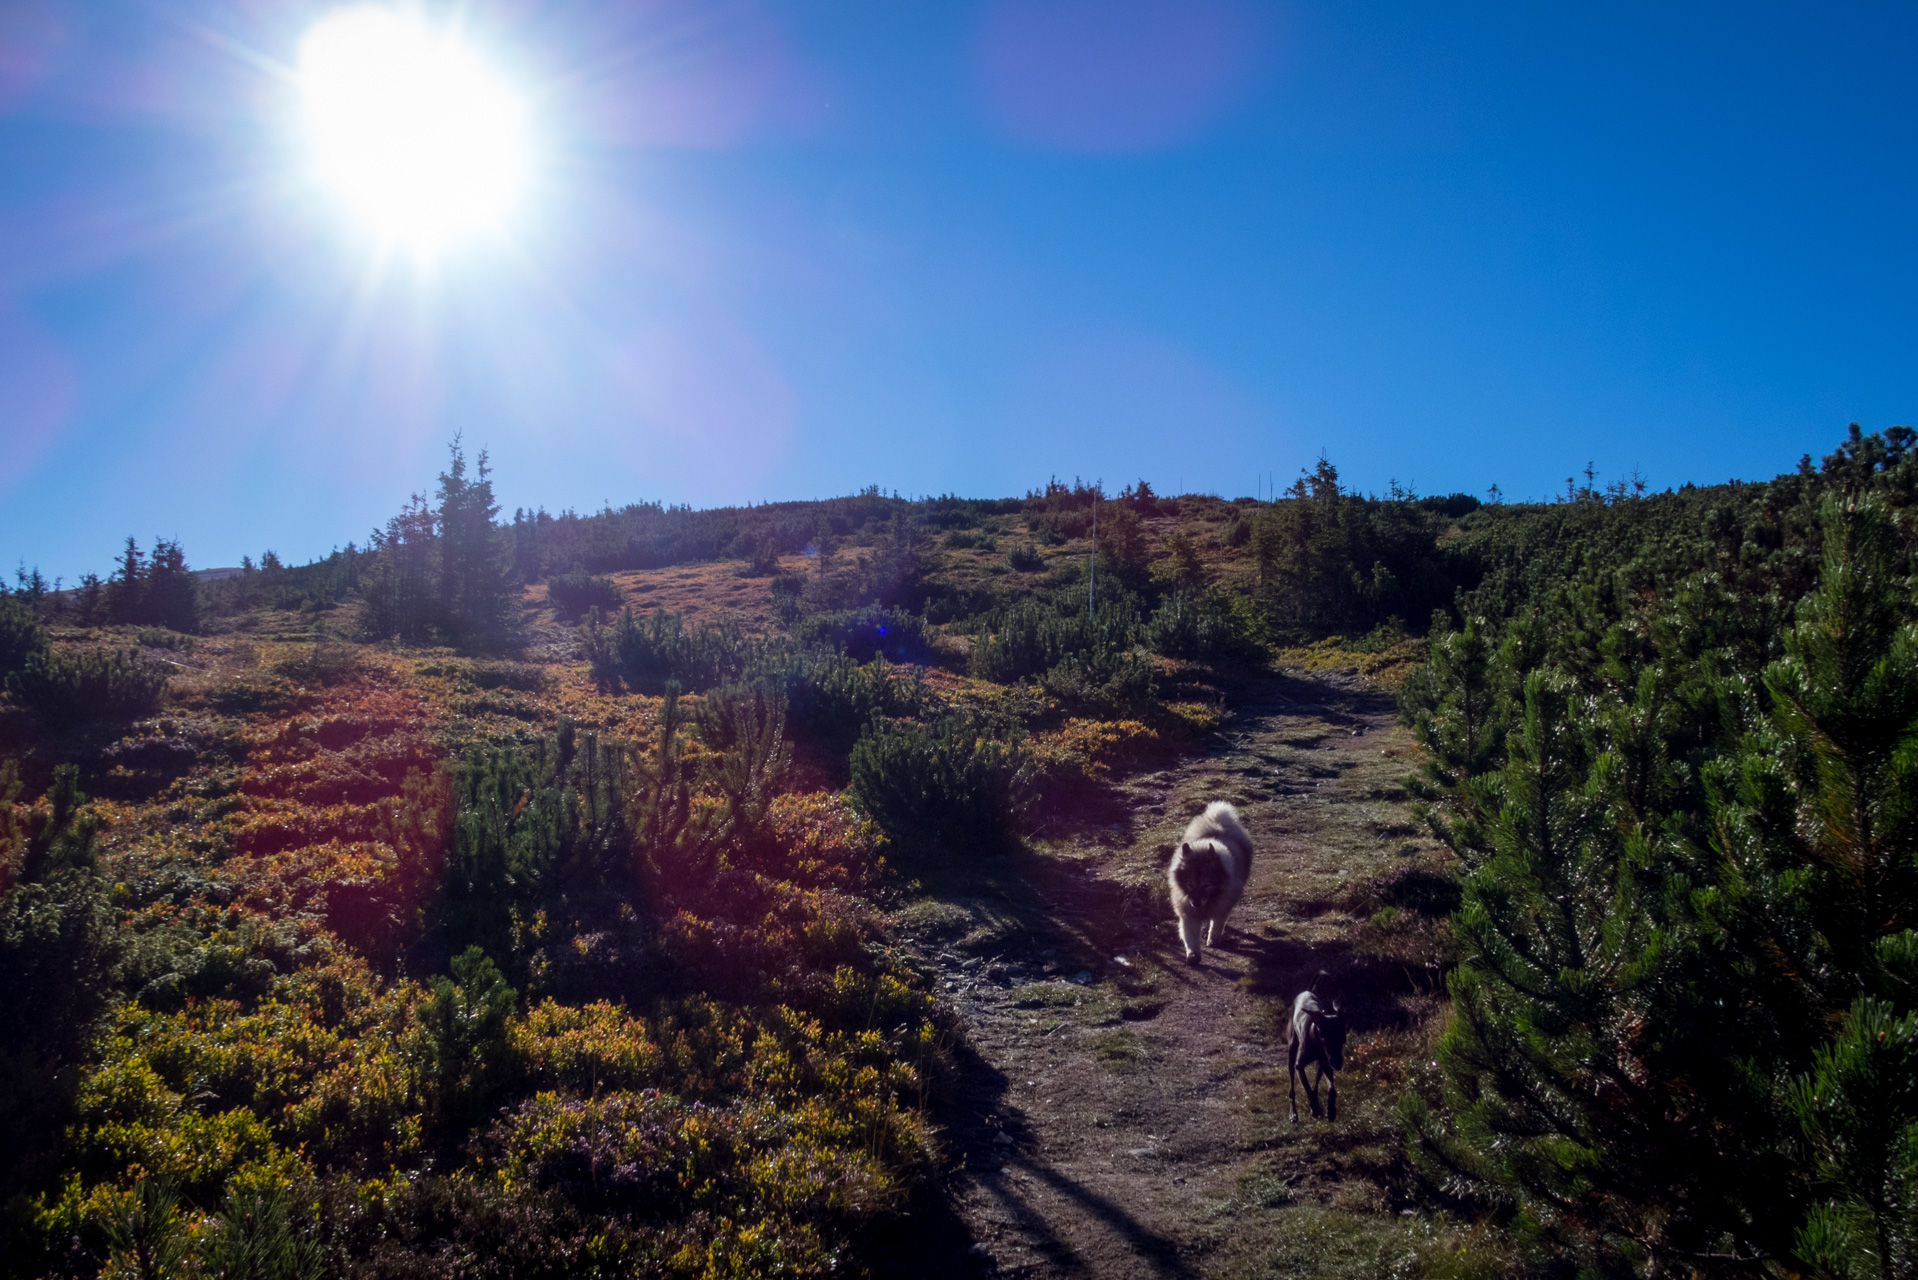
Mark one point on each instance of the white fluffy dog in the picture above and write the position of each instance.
(1208, 873)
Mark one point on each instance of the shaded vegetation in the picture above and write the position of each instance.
(1680, 780)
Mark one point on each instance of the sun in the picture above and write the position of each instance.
(410, 127)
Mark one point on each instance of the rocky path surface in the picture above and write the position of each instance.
(1117, 1109)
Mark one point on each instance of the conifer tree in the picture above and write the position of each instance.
(21, 635)
(399, 586)
(171, 598)
(1459, 712)
(58, 955)
(1845, 701)
(90, 601)
(1858, 1107)
(473, 569)
(30, 587)
(1699, 887)
(126, 588)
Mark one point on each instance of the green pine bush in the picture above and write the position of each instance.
(85, 685)
(573, 594)
(955, 784)
(647, 654)
(1682, 1014)
(21, 635)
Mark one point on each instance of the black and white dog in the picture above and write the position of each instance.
(1318, 1035)
(1207, 875)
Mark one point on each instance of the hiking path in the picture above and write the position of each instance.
(1122, 1114)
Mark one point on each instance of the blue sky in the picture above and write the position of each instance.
(789, 250)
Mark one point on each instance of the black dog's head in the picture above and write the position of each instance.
(1330, 1019)
(1199, 875)
(1332, 1027)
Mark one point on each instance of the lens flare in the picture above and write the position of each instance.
(410, 127)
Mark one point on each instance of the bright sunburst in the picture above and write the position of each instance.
(411, 127)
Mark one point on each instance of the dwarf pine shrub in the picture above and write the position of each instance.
(788, 593)
(1200, 625)
(1682, 1024)
(1030, 638)
(1103, 679)
(868, 633)
(953, 783)
(21, 635)
(573, 594)
(646, 654)
(831, 699)
(66, 687)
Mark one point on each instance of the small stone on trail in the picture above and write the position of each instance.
(1002, 1139)
(1082, 977)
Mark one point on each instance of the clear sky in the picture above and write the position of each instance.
(787, 250)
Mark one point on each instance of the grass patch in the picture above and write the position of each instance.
(1312, 1240)
(1049, 995)
(932, 921)
(1121, 1050)
(1384, 658)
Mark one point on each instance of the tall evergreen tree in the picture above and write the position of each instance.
(171, 598)
(474, 585)
(90, 601)
(399, 587)
(126, 588)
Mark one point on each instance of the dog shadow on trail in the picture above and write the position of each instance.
(1046, 912)
(935, 1242)
(1370, 990)
(1154, 1248)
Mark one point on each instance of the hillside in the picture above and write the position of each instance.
(779, 890)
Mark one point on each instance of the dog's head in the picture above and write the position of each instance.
(1330, 1018)
(1199, 875)
(1332, 1027)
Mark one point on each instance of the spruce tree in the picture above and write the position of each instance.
(474, 583)
(90, 601)
(126, 588)
(171, 597)
(399, 586)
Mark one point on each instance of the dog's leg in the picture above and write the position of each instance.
(1189, 935)
(1332, 1093)
(1292, 1076)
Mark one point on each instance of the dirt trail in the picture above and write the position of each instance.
(1117, 1110)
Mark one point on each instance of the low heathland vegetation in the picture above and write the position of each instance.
(556, 896)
